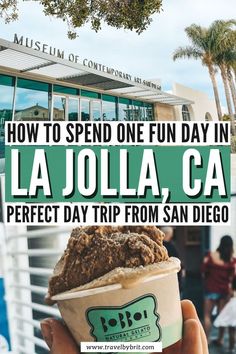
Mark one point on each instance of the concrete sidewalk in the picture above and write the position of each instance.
(222, 350)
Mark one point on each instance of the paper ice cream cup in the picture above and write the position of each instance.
(147, 311)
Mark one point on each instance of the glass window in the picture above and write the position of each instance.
(73, 109)
(185, 113)
(85, 110)
(90, 94)
(125, 109)
(109, 107)
(31, 100)
(137, 103)
(96, 110)
(6, 102)
(138, 111)
(59, 108)
(148, 112)
(66, 90)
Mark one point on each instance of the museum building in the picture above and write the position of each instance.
(36, 85)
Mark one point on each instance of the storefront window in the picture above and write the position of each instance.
(148, 112)
(73, 109)
(85, 110)
(31, 100)
(138, 112)
(125, 109)
(59, 108)
(109, 107)
(96, 110)
(6, 102)
(131, 110)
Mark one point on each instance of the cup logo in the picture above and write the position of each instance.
(135, 321)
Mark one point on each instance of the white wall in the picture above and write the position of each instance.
(202, 105)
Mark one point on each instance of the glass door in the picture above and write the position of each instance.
(96, 111)
(85, 109)
(59, 108)
(65, 108)
(73, 109)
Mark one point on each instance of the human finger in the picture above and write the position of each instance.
(192, 337)
(58, 337)
(189, 312)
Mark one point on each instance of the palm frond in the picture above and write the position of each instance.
(222, 35)
(197, 35)
(227, 57)
(188, 52)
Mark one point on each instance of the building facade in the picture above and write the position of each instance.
(203, 108)
(35, 85)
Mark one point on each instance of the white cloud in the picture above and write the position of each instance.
(148, 55)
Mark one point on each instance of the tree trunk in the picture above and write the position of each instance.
(234, 69)
(223, 71)
(215, 89)
(232, 87)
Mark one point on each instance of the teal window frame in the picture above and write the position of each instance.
(66, 90)
(7, 80)
(90, 94)
(32, 85)
(7, 113)
(137, 103)
(109, 98)
(124, 100)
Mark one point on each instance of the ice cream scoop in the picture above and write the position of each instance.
(95, 251)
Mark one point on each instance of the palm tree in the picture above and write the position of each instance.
(221, 61)
(232, 85)
(224, 56)
(202, 47)
(233, 66)
(229, 59)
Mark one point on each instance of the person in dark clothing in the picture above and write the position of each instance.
(218, 270)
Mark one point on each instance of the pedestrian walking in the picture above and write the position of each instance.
(227, 317)
(218, 271)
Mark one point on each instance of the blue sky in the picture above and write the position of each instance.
(148, 55)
